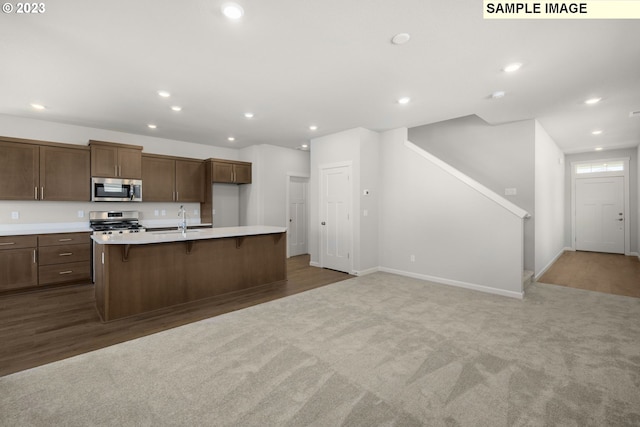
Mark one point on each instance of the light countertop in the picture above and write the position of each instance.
(44, 228)
(178, 236)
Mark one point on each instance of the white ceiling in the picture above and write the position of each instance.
(330, 63)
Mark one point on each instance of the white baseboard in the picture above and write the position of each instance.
(365, 272)
(314, 264)
(550, 263)
(440, 280)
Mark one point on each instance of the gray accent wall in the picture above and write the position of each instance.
(499, 157)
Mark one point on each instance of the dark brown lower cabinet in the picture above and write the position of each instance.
(133, 279)
(18, 262)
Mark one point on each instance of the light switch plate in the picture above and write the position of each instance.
(15, 215)
(510, 191)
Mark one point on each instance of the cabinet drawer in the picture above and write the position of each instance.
(18, 242)
(60, 273)
(63, 239)
(62, 254)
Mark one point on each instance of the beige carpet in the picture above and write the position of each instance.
(378, 350)
(595, 271)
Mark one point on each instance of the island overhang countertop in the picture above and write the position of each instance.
(181, 236)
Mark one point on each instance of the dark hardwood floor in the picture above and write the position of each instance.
(48, 325)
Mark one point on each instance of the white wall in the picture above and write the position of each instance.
(456, 234)
(226, 205)
(638, 198)
(634, 190)
(367, 257)
(264, 202)
(549, 200)
(498, 157)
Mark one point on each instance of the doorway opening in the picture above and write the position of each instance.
(297, 215)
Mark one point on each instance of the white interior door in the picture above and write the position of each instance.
(600, 216)
(297, 232)
(335, 229)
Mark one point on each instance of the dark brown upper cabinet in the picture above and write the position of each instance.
(230, 171)
(172, 179)
(111, 160)
(35, 170)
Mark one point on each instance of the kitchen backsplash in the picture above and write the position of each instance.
(43, 212)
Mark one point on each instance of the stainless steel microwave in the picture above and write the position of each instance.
(116, 190)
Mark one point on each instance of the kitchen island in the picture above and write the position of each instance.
(141, 272)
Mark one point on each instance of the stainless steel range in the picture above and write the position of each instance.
(115, 222)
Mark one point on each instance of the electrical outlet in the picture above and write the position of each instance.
(163, 212)
(195, 211)
(510, 191)
(15, 215)
(80, 214)
(412, 258)
(214, 212)
(156, 212)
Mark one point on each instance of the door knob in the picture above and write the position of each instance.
(323, 223)
(290, 220)
(621, 219)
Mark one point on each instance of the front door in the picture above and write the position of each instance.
(335, 228)
(600, 216)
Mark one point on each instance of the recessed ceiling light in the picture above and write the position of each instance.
(38, 107)
(598, 148)
(510, 68)
(232, 10)
(401, 38)
(498, 94)
(592, 101)
(404, 100)
(151, 126)
(164, 93)
(248, 115)
(231, 139)
(596, 132)
(305, 145)
(176, 108)
(313, 127)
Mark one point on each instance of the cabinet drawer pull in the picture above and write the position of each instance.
(65, 240)
(66, 272)
(7, 243)
(35, 193)
(66, 254)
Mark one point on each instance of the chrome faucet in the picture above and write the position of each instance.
(182, 213)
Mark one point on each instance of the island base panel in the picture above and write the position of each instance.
(143, 278)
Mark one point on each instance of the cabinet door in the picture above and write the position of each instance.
(222, 172)
(130, 163)
(65, 174)
(104, 161)
(18, 171)
(189, 181)
(18, 269)
(242, 173)
(158, 179)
